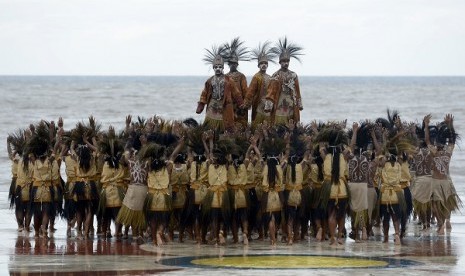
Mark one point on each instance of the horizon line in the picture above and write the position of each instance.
(129, 75)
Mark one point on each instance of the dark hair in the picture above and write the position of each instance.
(113, 161)
(180, 158)
(293, 160)
(272, 172)
(134, 140)
(335, 165)
(157, 164)
(85, 157)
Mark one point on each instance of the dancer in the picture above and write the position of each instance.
(257, 90)
(445, 199)
(334, 194)
(131, 212)
(358, 178)
(112, 182)
(219, 94)
(237, 52)
(272, 185)
(283, 97)
(22, 179)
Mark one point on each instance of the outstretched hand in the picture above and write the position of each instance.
(427, 119)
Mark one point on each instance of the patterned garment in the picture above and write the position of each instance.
(138, 171)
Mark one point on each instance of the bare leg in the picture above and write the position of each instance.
(332, 227)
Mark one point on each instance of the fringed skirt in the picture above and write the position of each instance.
(179, 199)
(132, 211)
(58, 199)
(239, 198)
(333, 192)
(373, 210)
(158, 201)
(41, 200)
(215, 201)
(358, 196)
(111, 196)
(397, 208)
(85, 195)
(11, 193)
(69, 211)
(422, 189)
(453, 201)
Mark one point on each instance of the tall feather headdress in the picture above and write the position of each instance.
(263, 53)
(287, 50)
(236, 51)
(17, 141)
(215, 56)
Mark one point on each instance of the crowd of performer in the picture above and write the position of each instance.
(267, 175)
(166, 180)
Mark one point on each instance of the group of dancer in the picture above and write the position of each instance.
(160, 177)
(271, 176)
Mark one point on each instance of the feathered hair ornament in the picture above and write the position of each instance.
(215, 56)
(334, 135)
(236, 51)
(112, 148)
(17, 140)
(91, 129)
(287, 50)
(140, 124)
(398, 144)
(263, 53)
(297, 143)
(363, 136)
(40, 142)
(446, 134)
(221, 150)
(155, 154)
(273, 145)
(194, 139)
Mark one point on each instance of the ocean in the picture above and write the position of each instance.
(28, 99)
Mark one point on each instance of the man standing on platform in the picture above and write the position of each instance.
(237, 52)
(219, 94)
(256, 93)
(283, 98)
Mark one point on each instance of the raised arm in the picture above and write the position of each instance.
(375, 141)
(426, 121)
(449, 120)
(177, 149)
(85, 138)
(353, 141)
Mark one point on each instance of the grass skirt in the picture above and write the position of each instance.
(132, 211)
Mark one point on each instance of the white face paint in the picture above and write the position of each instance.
(218, 69)
(263, 66)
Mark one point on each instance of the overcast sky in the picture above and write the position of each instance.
(135, 37)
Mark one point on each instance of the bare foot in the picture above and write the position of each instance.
(245, 240)
(319, 234)
(290, 241)
(222, 241)
(364, 234)
(159, 239)
(448, 225)
(441, 229)
(397, 239)
(332, 241)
